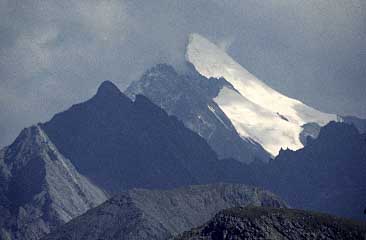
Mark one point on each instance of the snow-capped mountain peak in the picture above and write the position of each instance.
(256, 110)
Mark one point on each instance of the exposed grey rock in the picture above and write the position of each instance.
(153, 214)
(39, 188)
(269, 223)
(190, 98)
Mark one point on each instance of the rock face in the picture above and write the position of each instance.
(39, 188)
(152, 214)
(190, 97)
(121, 144)
(269, 223)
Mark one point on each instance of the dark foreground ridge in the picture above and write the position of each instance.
(327, 175)
(152, 214)
(274, 223)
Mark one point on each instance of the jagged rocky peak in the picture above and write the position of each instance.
(108, 88)
(31, 141)
(161, 77)
(40, 188)
(167, 79)
(109, 94)
(189, 97)
(120, 144)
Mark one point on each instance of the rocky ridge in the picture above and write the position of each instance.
(257, 223)
(154, 214)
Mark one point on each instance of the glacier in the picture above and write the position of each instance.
(257, 111)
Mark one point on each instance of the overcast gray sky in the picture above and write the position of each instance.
(55, 53)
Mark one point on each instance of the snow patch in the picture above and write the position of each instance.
(255, 109)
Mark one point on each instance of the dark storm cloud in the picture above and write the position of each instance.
(55, 53)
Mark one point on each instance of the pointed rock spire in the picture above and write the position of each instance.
(107, 88)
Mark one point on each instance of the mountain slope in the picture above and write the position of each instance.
(359, 123)
(152, 214)
(189, 98)
(256, 111)
(328, 174)
(121, 144)
(40, 189)
(275, 223)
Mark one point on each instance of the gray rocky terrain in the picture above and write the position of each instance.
(39, 188)
(152, 214)
(189, 97)
(274, 223)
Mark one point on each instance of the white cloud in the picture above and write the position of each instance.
(106, 19)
